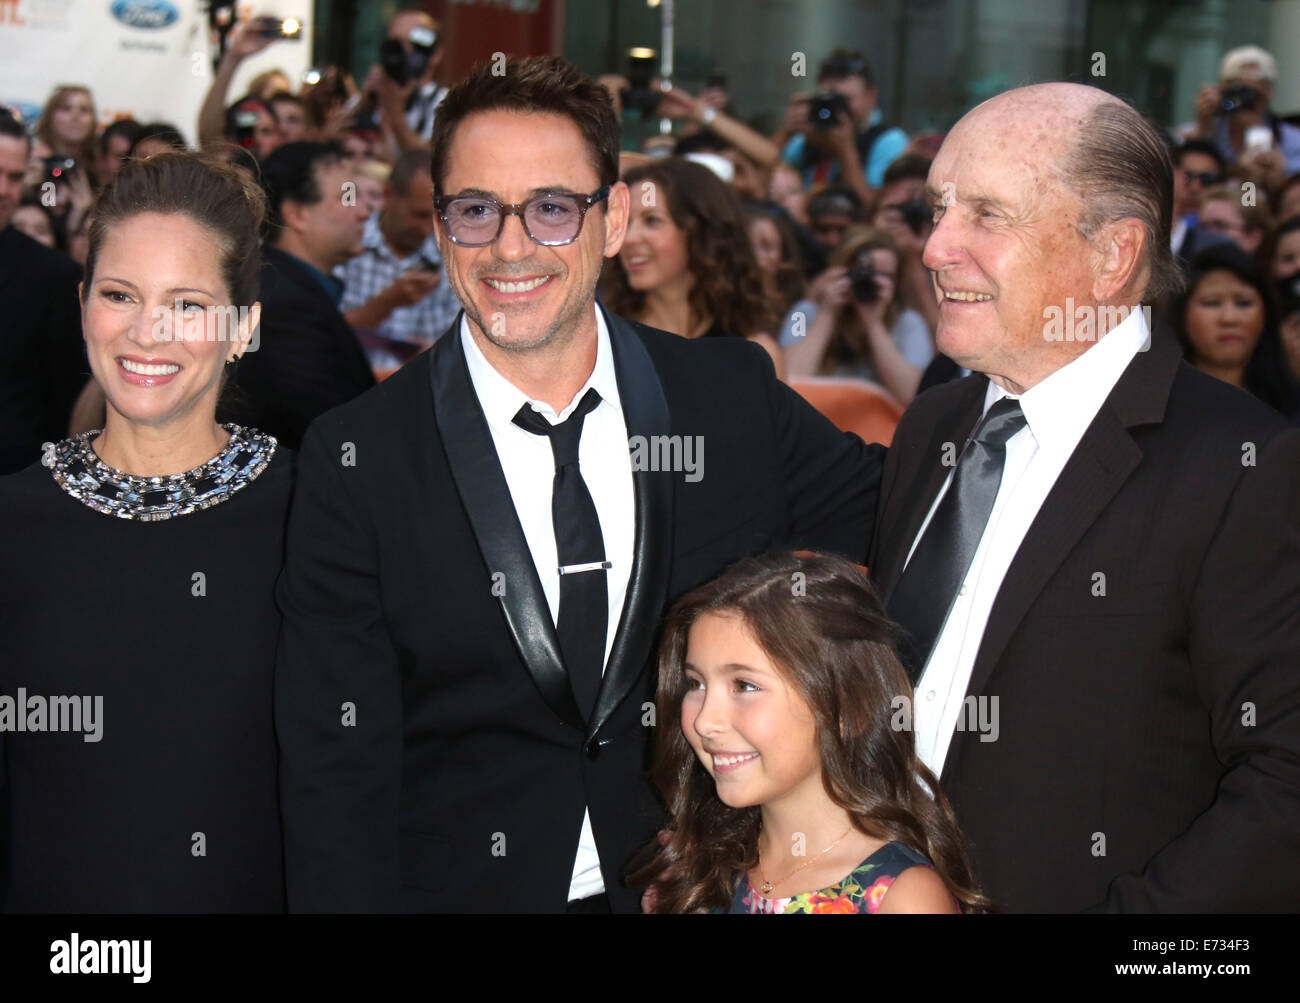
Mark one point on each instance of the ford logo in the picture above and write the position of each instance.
(145, 13)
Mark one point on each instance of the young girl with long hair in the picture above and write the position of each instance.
(786, 757)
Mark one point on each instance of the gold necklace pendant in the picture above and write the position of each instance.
(765, 889)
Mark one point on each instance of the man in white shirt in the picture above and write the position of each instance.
(1091, 549)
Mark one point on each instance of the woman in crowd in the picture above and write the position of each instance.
(854, 323)
(1285, 267)
(790, 788)
(1227, 323)
(776, 247)
(139, 565)
(64, 153)
(687, 265)
(67, 125)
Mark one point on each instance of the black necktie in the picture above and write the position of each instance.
(584, 595)
(925, 592)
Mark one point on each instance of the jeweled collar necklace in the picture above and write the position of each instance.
(79, 471)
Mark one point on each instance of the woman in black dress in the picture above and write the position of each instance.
(137, 618)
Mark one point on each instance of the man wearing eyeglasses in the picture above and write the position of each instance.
(482, 549)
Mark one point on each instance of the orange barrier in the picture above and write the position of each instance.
(852, 405)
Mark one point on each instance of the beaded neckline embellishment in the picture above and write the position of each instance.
(79, 471)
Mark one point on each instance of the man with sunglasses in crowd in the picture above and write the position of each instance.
(482, 548)
(1198, 167)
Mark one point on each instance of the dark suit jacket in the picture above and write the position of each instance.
(461, 785)
(1162, 716)
(42, 356)
(307, 361)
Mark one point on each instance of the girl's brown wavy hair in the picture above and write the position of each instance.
(728, 285)
(822, 625)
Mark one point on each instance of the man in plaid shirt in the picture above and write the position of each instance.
(394, 286)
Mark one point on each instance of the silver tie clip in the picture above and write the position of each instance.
(573, 569)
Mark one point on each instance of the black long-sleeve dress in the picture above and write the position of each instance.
(153, 607)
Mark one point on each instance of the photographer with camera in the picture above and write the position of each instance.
(249, 122)
(1235, 116)
(854, 322)
(905, 214)
(401, 88)
(838, 134)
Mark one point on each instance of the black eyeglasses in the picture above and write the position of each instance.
(1206, 178)
(551, 220)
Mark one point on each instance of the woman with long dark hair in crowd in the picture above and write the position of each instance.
(687, 265)
(790, 785)
(1227, 323)
(776, 248)
(855, 323)
(138, 571)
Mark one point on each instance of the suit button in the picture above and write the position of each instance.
(593, 749)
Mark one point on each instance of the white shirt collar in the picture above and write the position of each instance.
(501, 399)
(1059, 408)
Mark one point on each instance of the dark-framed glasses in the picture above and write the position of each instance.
(551, 219)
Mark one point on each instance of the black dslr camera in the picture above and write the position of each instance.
(915, 214)
(862, 280)
(403, 66)
(1239, 98)
(825, 109)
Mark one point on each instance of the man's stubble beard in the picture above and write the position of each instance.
(560, 332)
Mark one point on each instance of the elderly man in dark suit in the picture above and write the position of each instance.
(1093, 549)
(482, 547)
(42, 359)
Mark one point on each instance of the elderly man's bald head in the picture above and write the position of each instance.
(1052, 199)
(1051, 114)
(1103, 151)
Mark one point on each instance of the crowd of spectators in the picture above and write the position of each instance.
(808, 241)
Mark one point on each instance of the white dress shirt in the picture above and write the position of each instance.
(529, 466)
(1058, 410)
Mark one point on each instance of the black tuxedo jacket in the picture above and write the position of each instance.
(307, 361)
(42, 356)
(410, 600)
(1148, 750)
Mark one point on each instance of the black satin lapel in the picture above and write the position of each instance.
(486, 497)
(930, 470)
(645, 411)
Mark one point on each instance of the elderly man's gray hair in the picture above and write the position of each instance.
(1121, 167)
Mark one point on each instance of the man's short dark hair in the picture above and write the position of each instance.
(835, 200)
(291, 174)
(284, 97)
(844, 63)
(909, 166)
(537, 84)
(10, 126)
(407, 166)
(128, 128)
(1202, 146)
(165, 131)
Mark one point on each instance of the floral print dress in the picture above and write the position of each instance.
(862, 891)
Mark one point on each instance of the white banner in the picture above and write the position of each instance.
(150, 60)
